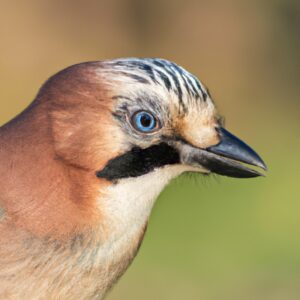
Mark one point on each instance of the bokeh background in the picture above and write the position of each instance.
(208, 238)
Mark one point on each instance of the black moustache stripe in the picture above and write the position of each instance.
(138, 161)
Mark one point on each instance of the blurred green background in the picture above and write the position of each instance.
(209, 238)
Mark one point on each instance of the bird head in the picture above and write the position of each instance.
(128, 117)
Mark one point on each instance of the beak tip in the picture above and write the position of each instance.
(258, 162)
(263, 166)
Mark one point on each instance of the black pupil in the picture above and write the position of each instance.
(146, 120)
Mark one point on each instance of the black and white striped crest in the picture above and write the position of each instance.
(161, 72)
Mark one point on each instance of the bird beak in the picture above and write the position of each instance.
(225, 158)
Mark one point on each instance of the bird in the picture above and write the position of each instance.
(82, 166)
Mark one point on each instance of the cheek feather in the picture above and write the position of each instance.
(87, 138)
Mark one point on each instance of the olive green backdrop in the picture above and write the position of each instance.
(208, 238)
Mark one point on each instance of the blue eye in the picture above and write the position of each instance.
(144, 121)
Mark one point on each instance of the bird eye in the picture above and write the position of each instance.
(144, 121)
